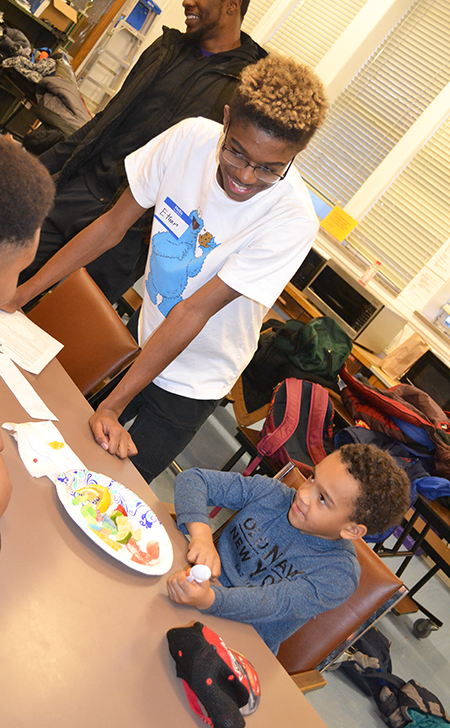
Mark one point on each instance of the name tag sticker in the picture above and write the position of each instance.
(172, 217)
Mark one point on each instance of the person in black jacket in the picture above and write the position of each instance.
(180, 75)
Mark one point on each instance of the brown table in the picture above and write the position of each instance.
(82, 637)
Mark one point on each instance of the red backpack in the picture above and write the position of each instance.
(298, 427)
(404, 413)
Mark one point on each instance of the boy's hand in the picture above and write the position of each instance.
(201, 549)
(191, 594)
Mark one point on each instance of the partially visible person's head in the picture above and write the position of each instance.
(26, 196)
(356, 490)
(214, 24)
(274, 111)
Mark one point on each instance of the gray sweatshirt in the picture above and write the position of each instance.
(273, 576)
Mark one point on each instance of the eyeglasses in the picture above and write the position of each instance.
(239, 161)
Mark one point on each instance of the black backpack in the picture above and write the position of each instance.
(369, 667)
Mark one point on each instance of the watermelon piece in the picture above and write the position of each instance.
(142, 557)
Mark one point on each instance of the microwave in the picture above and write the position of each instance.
(433, 376)
(336, 294)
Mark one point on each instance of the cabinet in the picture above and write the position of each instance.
(17, 92)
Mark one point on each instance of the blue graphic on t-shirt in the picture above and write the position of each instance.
(173, 262)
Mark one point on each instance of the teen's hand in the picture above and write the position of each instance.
(110, 434)
(191, 594)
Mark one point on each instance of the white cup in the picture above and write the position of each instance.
(199, 573)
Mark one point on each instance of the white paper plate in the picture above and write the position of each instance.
(140, 515)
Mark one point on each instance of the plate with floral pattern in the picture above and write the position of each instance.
(117, 520)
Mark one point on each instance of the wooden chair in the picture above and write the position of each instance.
(98, 348)
(315, 646)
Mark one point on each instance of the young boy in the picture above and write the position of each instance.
(287, 555)
(26, 196)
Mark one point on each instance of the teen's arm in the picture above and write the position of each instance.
(101, 235)
(174, 334)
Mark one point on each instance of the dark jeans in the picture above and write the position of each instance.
(165, 423)
(74, 209)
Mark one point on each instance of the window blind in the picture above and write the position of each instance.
(384, 99)
(256, 10)
(312, 28)
(411, 220)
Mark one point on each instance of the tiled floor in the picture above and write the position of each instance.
(340, 703)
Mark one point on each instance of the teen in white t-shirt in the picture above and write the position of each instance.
(233, 223)
(199, 232)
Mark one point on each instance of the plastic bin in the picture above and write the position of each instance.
(138, 15)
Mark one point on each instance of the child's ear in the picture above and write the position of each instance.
(353, 531)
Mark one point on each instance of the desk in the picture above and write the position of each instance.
(82, 638)
(429, 526)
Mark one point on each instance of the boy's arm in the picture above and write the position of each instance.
(198, 488)
(201, 549)
(277, 610)
(195, 490)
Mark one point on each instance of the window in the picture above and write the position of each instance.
(411, 220)
(312, 28)
(256, 10)
(382, 102)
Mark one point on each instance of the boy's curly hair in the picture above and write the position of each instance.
(385, 487)
(283, 98)
(26, 195)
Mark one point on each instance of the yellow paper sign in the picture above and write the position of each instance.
(338, 223)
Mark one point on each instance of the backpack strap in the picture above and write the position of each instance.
(320, 399)
(271, 442)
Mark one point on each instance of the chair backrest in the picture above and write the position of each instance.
(323, 639)
(97, 344)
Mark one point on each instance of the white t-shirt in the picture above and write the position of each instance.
(254, 246)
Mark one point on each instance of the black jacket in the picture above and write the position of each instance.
(212, 85)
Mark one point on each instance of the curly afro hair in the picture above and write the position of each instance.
(283, 98)
(384, 487)
(26, 195)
